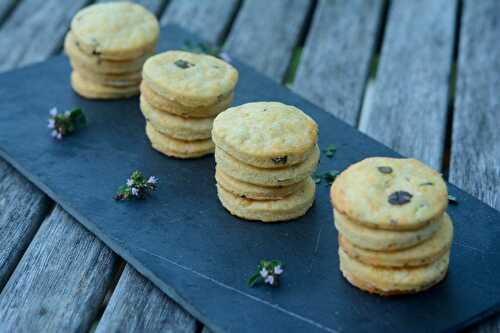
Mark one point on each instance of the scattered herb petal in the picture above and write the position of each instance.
(399, 198)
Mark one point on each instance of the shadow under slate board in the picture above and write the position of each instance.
(195, 251)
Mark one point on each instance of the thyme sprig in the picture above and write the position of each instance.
(268, 272)
(137, 187)
(63, 124)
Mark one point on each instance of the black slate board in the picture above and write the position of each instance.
(188, 245)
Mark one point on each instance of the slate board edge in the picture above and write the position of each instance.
(116, 247)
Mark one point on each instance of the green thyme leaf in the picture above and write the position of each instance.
(452, 199)
(330, 150)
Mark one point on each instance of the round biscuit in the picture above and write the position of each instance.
(289, 208)
(177, 127)
(95, 64)
(266, 177)
(92, 90)
(111, 80)
(255, 192)
(178, 148)
(390, 193)
(381, 239)
(393, 281)
(190, 79)
(418, 255)
(266, 134)
(115, 30)
(164, 104)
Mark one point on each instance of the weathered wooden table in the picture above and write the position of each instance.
(421, 76)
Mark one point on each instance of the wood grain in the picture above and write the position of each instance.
(475, 153)
(475, 159)
(60, 281)
(35, 30)
(208, 19)
(410, 100)
(155, 6)
(138, 306)
(335, 62)
(266, 32)
(22, 209)
(62, 278)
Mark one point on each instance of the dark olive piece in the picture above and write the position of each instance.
(399, 198)
(183, 64)
(385, 169)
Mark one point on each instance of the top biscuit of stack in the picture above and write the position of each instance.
(389, 193)
(267, 135)
(115, 31)
(190, 80)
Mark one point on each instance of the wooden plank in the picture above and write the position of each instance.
(35, 30)
(475, 159)
(64, 274)
(155, 6)
(60, 281)
(208, 19)
(22, 209)
(138, 306)
(475, 155)
(410, 99)
(335, 62)
(266, 32)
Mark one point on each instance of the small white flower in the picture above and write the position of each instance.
(152, 180)
(54, 133)
(225, 56)
(135, 191)
(51, 123)
(59, 136)
(53, 112)
(264, 273)
(130, 182)
(278, 270)
(269, 279)
(67, 114)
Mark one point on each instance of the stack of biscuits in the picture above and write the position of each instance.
(394, 233)
(107, 46)
(265, 154)
(181, 94)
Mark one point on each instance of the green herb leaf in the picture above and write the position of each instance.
(452, 199)
(330, 150)
(253, 279)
